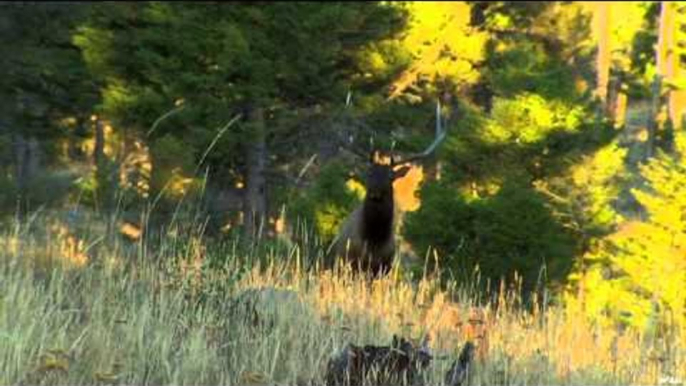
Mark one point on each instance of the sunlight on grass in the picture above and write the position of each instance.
(176, 320)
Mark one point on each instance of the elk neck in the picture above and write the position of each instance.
(377, 221)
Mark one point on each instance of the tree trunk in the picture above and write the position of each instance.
(33, 160)
(99, 150)
(73, 144)
(666, 52)
(616, 101)
(255, 205)
(76, 138)
(676, 104)
(661, 54)
(603, 59)
(619, 104)
(652, 125)
(27, 160)
(105, 176)
(21, 150)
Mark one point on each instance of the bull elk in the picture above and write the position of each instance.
(367, 237)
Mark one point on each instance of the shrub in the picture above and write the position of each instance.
(328, 201)
(512, 231)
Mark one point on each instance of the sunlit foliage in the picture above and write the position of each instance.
(443, 44)
(638, 273)
(529, 118)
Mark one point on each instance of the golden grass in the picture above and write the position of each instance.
(177, 322)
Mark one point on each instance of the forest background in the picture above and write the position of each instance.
(562, 175)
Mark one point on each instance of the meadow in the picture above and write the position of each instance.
(82, 305)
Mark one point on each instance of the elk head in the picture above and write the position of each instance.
(367, 237)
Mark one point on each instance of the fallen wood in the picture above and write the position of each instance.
(460, 370)
(400, 363)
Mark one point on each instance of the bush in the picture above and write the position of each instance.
(529, 118)
(512, 231)
(47, 189)
(8, 194)
(172, 161)
(526, 67)
(637, 274)
(328, 201)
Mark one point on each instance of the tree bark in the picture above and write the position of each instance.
(603, 59)
(33, 160)
(666, 52)
(20, 161)
(75, 139)
(27, 160)
(99, 148)
(673, 69)
(652, 125)
(616, 101)
(255, 206)
(661, 54)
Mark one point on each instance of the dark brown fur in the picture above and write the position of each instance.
(366, 238)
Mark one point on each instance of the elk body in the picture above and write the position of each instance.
(367, 237)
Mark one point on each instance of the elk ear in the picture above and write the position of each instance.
(401, 172)
(372, 157)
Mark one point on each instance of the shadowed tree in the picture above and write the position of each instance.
(223, 60)
(46, 93)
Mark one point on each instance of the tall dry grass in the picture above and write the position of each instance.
(84, 307)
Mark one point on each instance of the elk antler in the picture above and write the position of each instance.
(350, 144)
(440, 136)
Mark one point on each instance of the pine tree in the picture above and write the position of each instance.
(211, 62)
